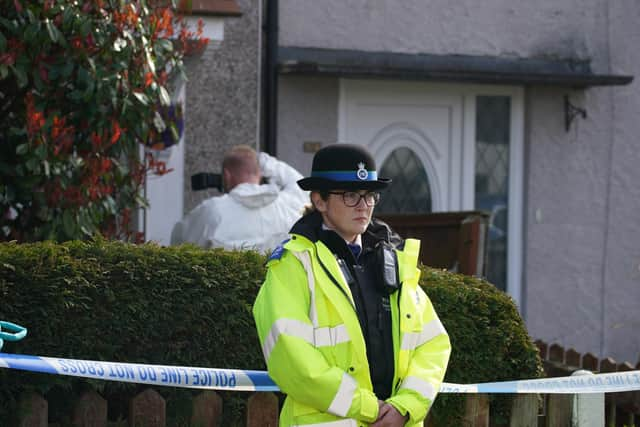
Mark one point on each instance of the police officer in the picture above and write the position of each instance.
(346, 331)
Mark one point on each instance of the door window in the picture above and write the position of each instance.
(409, 191)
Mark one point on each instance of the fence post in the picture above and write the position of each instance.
(606, 366)
(476, 411)
(35, 411)
(148, 409)
(559, 410)
(524, 411)
(572, 358)
(207, 409)
(262, 410)
(90, 410)
(625, 402)
(542, 349)
(589, 362)
(588, 409)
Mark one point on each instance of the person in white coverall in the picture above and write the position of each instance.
(250, 215)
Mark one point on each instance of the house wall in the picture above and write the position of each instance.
(222, 98)
(307, 112)
(622, 258)
(566, 196)
(566, 28)
(581, 256)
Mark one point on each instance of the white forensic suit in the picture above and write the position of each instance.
(250, 216)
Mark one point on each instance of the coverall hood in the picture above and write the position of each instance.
(254, 196)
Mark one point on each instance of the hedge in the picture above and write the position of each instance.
(113, 301)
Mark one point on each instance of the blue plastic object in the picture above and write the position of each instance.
(11, 332)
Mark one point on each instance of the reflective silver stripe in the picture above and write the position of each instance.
(344, 396)
(322, 336)
(330, 336)
(305, 259)
(427, 390)
(412, 340)
(341, 423)
(291, 327)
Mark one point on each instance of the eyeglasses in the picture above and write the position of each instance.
(352, 198)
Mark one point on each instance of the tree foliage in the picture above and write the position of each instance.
(82, 85)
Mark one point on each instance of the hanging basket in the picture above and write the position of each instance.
(168, 125)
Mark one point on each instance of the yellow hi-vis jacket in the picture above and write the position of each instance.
(315, 350)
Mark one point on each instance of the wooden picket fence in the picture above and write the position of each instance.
(147, 409)
(621, 409)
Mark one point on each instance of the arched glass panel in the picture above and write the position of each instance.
(409, 192)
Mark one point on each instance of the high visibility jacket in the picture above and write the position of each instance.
(315, 350)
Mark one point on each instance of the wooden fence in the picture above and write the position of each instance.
(621, 409)
(148, 409)
(554, 410)
(455, 241)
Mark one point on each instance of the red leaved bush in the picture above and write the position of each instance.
(80, 86)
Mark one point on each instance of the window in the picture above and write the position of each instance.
(493, 122)
(409, 191)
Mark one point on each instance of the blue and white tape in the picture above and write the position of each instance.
(247, 380)
(597, 383)
(175, 376)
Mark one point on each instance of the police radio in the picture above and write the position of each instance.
(387, 262)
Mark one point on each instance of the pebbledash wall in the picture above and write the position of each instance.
(222, 98)
(581, 237)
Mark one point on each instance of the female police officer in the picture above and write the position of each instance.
(345, 329)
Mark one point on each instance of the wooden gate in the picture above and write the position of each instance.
(455, 241)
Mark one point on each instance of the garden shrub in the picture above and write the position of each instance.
(488, 337)
(114, 301)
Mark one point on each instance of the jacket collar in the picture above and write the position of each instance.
(310, 227)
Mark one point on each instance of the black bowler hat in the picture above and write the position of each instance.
(343, 167)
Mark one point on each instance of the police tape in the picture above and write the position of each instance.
(248, 380)
(176, 376)
(580, 384)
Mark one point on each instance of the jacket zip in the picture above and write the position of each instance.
(395, 354)
(335, 282)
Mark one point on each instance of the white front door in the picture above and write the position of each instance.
(438, 125)
(426, 119)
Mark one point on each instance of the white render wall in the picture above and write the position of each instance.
(582, 188)
(309, 113)
(622, 258)
(512, 28)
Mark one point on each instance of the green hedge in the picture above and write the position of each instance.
(183, 305)
(488, 338)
